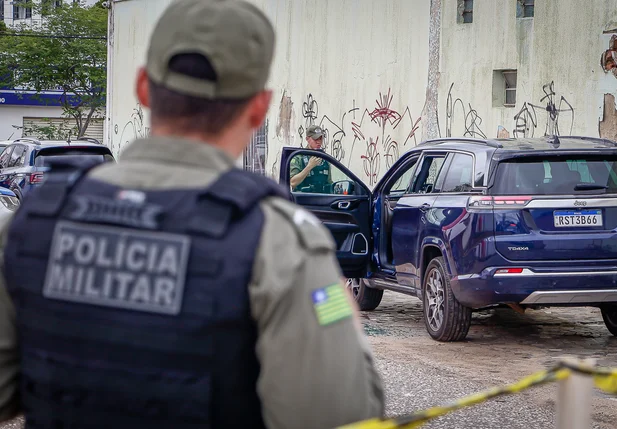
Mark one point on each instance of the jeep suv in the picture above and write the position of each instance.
(466, 224)
(23, 162)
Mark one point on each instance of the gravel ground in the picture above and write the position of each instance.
(502, 347)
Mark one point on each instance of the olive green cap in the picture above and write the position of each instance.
(315, 132)
(235, 36)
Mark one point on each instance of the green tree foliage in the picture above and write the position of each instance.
(66, 51)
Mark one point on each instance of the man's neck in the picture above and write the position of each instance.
(227, 141)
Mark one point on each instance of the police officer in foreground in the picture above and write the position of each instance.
(171, 290)
(311, 173)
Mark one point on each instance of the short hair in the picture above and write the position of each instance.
(191, 113)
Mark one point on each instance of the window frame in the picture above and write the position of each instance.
(419, 168)
(511, 89)
(452, 156)
(464, 10)
(15, 162)
(525, 8)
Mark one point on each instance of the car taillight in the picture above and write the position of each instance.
(36, 178)
(507, 203)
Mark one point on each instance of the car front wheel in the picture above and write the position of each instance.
(609, 314)
(368, 298)
(445, 318)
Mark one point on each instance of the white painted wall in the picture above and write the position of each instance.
(13, 115)
(357, 67)
(562, 44)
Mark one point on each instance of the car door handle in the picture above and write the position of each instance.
(342, 205)
(425, 207)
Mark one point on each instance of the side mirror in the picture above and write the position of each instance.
(344, 187)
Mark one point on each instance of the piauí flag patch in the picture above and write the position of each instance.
(331, 304)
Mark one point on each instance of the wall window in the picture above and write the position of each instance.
(465, 12)
(20, 11)
(47, 5)
(504, 88)
(257, 150)
(524, 8)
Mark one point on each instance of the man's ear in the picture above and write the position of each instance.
(142, 88)
(258, 109)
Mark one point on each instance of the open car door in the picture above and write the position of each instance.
(335, 196)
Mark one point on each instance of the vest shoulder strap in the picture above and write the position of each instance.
(233, 195)
(61, 178)
(244, 189)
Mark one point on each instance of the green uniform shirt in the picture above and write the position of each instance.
(319, 180)
(316, 371)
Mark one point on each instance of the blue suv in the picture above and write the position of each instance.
(24, 161)
(466, 224)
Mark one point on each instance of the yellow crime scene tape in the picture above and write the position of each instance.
(605, 379)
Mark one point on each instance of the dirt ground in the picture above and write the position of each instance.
(502, 347)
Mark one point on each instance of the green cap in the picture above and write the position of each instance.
(235, 36)
(315, 132)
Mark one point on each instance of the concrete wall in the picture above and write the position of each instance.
(356, 67)
(13, 115)
(360, 69)
(556, 54)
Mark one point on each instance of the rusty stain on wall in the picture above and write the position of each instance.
(608, 61)
(608, 124)
(284, 119)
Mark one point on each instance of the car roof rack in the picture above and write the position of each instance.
(28, 139)
(592, 139)
(490, 143)
(90, 139)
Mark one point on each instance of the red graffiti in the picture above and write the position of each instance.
(371, 161)
(383, 114)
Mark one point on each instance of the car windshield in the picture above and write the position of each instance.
(44, 156)
(568, 175)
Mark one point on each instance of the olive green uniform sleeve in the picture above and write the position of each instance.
(296, 166)
(317, 369)
(9, 354)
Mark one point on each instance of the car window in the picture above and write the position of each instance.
(403, 183)
(6, 155)
(459, 176)
(557, 176)
(426, 176)
(17, 157)
(77, 154)
(313, 174)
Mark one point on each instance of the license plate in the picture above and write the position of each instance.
(575, 218)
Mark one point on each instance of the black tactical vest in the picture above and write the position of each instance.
(133, 308)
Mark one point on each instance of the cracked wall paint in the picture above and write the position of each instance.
(608, 125)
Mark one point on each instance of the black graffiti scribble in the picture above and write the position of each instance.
(310, 109)
(526, 119)
(471, 118)
(133, 129)
(334, 132)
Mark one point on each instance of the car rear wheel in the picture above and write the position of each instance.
(368, 298)
(445, 318)
(609, 314)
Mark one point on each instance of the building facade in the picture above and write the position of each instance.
(381, 76)
(19, 110)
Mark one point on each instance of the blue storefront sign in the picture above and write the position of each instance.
(51, 99)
